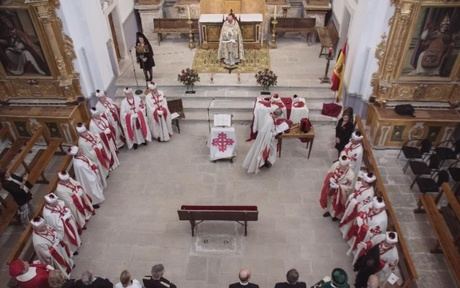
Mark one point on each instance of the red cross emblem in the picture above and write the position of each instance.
(222, 141)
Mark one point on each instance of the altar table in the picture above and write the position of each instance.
(250, 25)
(295, 132)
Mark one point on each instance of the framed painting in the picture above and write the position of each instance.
(434, 44)
(397, 133)
(21, 51)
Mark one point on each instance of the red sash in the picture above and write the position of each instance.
(140, 121)
(156, 116)
(349, 148)
(59, 259)
(87, 161)
(100, 153)
(68, 228)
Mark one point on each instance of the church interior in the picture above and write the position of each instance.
(200, 143)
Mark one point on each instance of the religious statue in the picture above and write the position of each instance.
(231, 50)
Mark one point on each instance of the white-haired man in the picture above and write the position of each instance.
(49, 247)
(87, 280)
(368, 223)
(111, 109)
(58, 216)
(74, 196)
(337, 186)
(263, 151)
(158, 114)
(361, 196)
(133, 120)
(92, 147)
(354, 151)
(157, 280)
(388, 251)
(101, 126)
(87, 173)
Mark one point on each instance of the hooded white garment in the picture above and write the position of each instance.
(91, 146)
(102, 127)
(112, 111)
(159, 116)
(87, 173)
(134, 122)
(264, 147)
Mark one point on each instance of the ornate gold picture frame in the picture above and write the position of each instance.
(419, 58)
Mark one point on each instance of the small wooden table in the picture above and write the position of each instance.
(296, 133)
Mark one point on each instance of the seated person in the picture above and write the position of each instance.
(292, 278)
(19, 189)
(244, 276)
(87, 280)
(157, 280)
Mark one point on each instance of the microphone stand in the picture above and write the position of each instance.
(134, 67)
(209, 116)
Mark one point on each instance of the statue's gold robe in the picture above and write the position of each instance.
(231, 43)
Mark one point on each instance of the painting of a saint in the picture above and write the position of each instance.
(20, 51)
(435, 43)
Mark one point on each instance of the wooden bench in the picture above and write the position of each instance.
(200, 213)
(328, 37)
(25, 237)
(176, 106)
(446, 243)
(299, 25)
(175, 26)
(406, 265)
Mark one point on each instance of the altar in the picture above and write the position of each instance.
(250, 24)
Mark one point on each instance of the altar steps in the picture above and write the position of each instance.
(239, 100)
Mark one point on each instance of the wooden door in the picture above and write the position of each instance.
(114, 37)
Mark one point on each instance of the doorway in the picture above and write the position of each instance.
(114, 37)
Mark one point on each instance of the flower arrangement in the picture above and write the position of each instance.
(188, 77)
(266, 78)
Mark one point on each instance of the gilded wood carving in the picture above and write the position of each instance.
(419, 60)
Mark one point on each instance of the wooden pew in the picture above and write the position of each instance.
(175, 26)
(28, 147)
(328, 37)
(300, 25)
(25, 238)
(200, 213)
(406, 265)
(11, 153)
(446, 242)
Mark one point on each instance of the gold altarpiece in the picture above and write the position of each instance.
(238, 6)
(38, 83)
(412, 69)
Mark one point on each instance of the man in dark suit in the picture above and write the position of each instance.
(157, 280)
(89, 281)
(244, 276)
(19, 188)
(292, 277)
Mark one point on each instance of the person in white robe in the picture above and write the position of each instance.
(112, 110)
(263, 151)
(299, 109)
(389, 257)
(74, 196)
(276, 102)
(58, 216)
(133, 120)
(368, 223)
(101, 126)
(87, 173)
(354, 151)
(158, 114)
(92, 147)
(49, 246)
(231, 50)
(362, 195)
(337, 186)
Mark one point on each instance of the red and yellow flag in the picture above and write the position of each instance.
(337, 73)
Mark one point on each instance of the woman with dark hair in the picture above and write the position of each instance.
(344, 129)
(144, 55)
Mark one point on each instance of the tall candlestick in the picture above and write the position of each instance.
(274, 14)
(188, 12)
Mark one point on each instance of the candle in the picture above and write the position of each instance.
(188, 12)
(329, 53)
(274, 14)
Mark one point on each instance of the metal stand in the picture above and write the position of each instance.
(191, 43)
(273, 41)
(325, 78)
(134, 68)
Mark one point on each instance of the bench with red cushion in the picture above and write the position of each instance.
(200, 213)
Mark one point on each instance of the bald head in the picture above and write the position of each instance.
(244, 275)
(373, 281)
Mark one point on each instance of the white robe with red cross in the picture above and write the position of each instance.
(75, 197)
(361, 196)
(102, 127)
(389, 257)
(52, 250)
(263, 149)
(134, 121)
(61, 219)
(334, 199)
(355, 153)
(87, 173)
(92, 147)
(367, 225)
(113, 115)
(159, 117)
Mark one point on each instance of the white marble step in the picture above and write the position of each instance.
(237, 104)
(245, 116)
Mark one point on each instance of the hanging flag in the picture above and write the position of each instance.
(337, 74)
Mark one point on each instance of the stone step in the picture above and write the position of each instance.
(245, 116)
(238, 104)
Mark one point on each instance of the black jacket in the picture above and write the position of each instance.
(287, 285)
(162, 283)
(238, 285)
(97, 283)
(20, 195)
